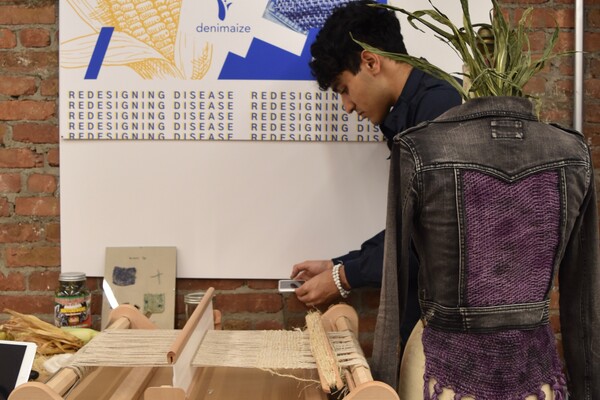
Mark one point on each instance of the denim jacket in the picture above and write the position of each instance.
(497, 204)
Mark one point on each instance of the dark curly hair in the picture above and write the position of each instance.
(334, 50)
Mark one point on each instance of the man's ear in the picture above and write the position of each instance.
(370, 61)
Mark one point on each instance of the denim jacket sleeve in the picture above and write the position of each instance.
(394, 287)
(579, 287)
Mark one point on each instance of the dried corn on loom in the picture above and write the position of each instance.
(133, 360)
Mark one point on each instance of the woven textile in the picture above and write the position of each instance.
(509, 365)
(302, 15)
(512, 232)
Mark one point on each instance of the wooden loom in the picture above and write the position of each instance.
(211, 383)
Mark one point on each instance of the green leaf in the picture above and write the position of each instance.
(501, 68)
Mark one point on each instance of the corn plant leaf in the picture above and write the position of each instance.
(500, 67)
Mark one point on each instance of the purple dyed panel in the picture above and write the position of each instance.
(507, 365)
(512, 233)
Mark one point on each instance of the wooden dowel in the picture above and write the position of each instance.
(190, 327)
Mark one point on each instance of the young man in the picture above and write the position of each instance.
(390, 94)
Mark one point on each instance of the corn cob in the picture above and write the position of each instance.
(153, 22)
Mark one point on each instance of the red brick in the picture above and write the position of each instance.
(596, 156)
(44, 280)
(5, 207)
(523, 1)
(41, 183)
(20, 232)
(554, 298)
(591, 112)
(236, 324)
(259, 284)
(564, 89)
(10, 183)
(12, 282)
(32, 256)
(13, 110)
(295, 321)
(592, 17)
(96, 303)
(591, 42)
(49, 87)
(549, 17)
(21, 15)
(29, 62)
(94, 283)
(565, 42)
(292, 303)
(536, 85)
(28, 304)
(591, 129)
(556, 115)
(39, 206)
(8, 39)
(248, 302)
(53, 232)
(555, 323)
(591, 88)
(53, 157)
(537, 41)
(34, 37)
(594, 69)
(17, 85)
(3, 130)
(191, 285)
(18, 158)
(566, 65)
(268, 325)
(36, 133)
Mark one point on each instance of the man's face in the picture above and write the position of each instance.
(364, 94)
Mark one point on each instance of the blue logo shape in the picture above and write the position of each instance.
(223, 7)
(99, 52)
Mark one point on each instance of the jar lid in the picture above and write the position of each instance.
(72, 276)
(193, 298)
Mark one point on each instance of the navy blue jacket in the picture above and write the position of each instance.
(423, 98)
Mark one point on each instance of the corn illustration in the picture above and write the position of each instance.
(146, 33)
(153, 22)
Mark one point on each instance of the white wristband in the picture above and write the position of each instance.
(338, 283)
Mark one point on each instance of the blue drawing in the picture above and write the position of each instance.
(265, 61)
(99, 52)
(223, 7)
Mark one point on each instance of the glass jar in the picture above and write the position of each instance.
(72, 301)
(191, 301)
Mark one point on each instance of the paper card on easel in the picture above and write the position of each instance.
(143, 277)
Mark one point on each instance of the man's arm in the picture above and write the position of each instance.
(359, 268)
(319, 286)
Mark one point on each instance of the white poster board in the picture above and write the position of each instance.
(208, 136)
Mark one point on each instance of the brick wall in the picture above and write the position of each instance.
(30, 168)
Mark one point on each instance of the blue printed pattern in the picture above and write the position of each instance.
(302, 15)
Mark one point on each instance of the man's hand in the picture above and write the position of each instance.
(309, 269)
(319, 287)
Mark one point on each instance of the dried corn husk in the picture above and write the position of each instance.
(49, 338)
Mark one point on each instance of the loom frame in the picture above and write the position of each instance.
(155, 383)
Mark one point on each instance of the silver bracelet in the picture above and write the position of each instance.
(338, 283)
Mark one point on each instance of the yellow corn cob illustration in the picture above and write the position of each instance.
(155, 23)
